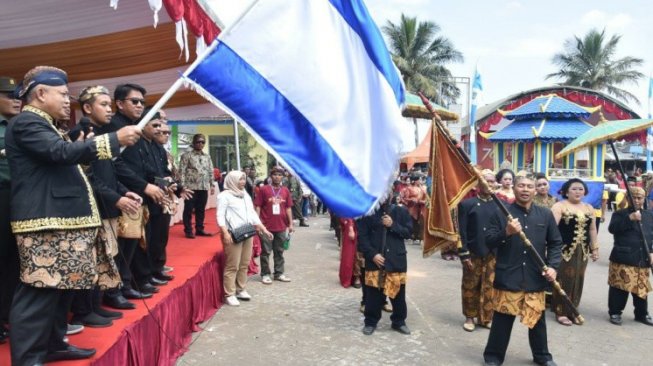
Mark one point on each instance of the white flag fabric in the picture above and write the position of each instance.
(315, 83)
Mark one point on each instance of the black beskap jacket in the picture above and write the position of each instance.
(370, 234)
(628, 247)
(50, 190)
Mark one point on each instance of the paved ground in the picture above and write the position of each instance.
(314, 321)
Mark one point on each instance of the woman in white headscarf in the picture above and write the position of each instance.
(235, 208)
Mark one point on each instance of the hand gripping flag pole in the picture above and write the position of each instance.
(527, 243)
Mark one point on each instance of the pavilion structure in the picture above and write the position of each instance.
(541, 127)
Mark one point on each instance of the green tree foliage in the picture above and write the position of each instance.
(421, 55)
(590, 62)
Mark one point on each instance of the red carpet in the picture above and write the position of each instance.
(160, 337)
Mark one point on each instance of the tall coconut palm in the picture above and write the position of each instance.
(421, 56)
(590, 62)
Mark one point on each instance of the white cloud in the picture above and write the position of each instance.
(599, 19)
(513, 5)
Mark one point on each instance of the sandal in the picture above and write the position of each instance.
(564, 321)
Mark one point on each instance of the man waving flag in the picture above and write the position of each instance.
(314, 82)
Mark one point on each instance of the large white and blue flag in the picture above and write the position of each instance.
(315, 83)
(477, 94)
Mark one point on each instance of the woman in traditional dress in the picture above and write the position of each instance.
(542, 196)
(576, 224)
(504, 178)
(350, 271)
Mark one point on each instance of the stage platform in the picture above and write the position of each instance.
(159, 336)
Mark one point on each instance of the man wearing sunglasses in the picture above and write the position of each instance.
(197, 175)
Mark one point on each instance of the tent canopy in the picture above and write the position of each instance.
(421, 152)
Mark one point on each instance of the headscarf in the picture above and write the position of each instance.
(231, 183)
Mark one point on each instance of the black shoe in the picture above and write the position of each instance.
(546, 363)
(113, 315)
(135, 295)
(92, 320)
(190, 235)
(645, 320)
(202, 233)
(403, 329)
(368, 329)
(70, 353)
(303, 224)
(118, 302)
(163, 276)
(492, 363)
(157, 282)
(615, 319)
(147, 288)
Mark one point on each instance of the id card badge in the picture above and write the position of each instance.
(276, 209)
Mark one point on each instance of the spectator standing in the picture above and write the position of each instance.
(196, 171)
(274, 206)
(235, 208)
(295, 187)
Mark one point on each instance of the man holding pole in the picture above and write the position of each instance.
(519, 282)
(629, 264)
(381, 240)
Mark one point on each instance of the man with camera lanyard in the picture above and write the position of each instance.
(145, 159)
(381, 239)
(54, 216)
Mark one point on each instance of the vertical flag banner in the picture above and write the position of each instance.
(649, 134)
(313, 81)
(477, 90)
(452, 178)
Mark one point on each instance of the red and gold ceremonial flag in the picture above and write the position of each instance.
(452, 178)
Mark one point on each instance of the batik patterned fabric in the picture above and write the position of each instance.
(629, 278)
(477, 290)
(196, 170)
(67, 259)
(390, 282)
(528, 305)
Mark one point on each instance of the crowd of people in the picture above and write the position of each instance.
(84, 228)
(500, 278)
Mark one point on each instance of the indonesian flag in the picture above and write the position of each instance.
(452, 178)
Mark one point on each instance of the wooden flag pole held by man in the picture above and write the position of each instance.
(447, 147)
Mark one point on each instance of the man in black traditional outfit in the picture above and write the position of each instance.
(55, 218)
(519, 282)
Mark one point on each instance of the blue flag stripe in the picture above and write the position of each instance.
(232, 81)
(356, 15)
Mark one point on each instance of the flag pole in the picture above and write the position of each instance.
(180, 81)
(527, 243)
(237, 144)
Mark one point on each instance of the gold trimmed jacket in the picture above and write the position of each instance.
(49, 189)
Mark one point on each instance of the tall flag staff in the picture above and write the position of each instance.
(477, 90)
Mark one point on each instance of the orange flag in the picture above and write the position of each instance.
(452, 179)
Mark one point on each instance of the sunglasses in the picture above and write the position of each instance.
(200, 142)
(166, 132)
(156, 125)
(136, 101)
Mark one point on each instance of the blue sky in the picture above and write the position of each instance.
(513, 41)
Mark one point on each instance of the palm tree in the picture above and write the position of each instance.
(590, 63)
(421, 57)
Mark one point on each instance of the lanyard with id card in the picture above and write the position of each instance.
(276, 206)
